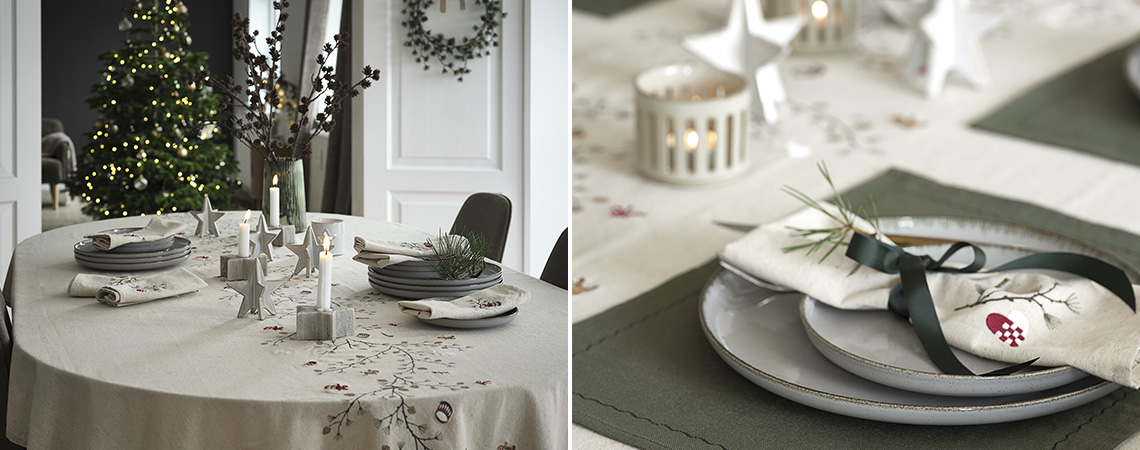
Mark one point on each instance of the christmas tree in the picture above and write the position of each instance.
(155, 147)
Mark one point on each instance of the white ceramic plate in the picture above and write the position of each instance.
(490, 272)
(759, 334)
(488, 322)
(1132, 69)
(881, 347)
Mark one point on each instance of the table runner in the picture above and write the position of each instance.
(645, 374)
(1090, 109)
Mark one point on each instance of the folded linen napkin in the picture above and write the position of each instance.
(385, 253)
(1011, 316)
(488, 302)
(158, 228)
(125, 290)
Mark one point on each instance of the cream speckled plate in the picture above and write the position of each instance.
(759, 334)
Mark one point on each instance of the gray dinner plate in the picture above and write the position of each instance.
(490, 272)
(416, 294)
(87, 248)
(133, 266)
(759, 334)
(487, 322)
(412, 286)
(137, 247)
(150, 259)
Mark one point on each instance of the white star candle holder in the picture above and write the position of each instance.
(829, 25)
(692, 124)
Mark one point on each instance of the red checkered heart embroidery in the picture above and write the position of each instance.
(1007, 330)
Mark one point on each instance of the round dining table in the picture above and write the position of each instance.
(186, 372)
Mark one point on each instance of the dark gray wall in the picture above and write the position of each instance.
(76, 32)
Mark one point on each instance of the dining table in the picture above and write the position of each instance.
(190, 372)
(644, 251)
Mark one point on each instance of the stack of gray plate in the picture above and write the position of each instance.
(418, 280)
(168, 252)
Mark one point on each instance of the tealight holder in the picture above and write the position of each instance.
(829, 25)
(692, 124)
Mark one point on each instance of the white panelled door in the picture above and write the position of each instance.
(19, 125)
(425, 141)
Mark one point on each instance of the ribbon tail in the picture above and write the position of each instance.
(920, 306)
(1100, 272)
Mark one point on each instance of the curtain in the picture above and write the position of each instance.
(338, 167)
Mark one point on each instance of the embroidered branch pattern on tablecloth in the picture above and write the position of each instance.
(376, 372)
(419, 363)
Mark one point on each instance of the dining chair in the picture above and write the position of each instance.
(556, 272)
(6, 350)
(488, 215)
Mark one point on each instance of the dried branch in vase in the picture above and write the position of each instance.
(261, 100)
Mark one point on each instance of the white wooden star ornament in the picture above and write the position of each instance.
(751, 47)
(308, 253)
(948, 40)
(207, 219)
(257, 292)
(262, 238)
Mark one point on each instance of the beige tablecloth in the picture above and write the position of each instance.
(186, 373)
(849, 109)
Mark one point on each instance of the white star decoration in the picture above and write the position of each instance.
(948, 40)
(207, 219)
(750, 47)
(308, 253)
(262, 238)
(258, 292)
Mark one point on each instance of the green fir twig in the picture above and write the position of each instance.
(844, 215)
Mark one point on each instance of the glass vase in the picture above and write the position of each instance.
(291, 180)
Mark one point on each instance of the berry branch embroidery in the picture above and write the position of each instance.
(1038, 297)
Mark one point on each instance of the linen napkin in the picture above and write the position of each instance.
(385, 253)
(1011, 316)
(489, 302)
(159, 228)
(125, 290)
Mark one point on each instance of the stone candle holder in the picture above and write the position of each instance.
(236, 268)
(314, 325)
(287, 234)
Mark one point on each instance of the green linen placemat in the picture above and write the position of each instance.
(1089, 109)
(607, 8)
(645, 374)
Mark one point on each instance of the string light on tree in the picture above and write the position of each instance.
(146, 153)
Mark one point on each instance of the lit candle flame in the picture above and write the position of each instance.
(712, 139)
(819, 9)
(326, 239)
(275, 180)
(246, 216)
(691, 140)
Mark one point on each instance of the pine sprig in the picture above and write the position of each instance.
(844, 215)
(455, 259)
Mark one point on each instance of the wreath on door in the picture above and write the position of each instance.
(452, 53)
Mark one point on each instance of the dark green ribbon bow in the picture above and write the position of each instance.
(911, 297)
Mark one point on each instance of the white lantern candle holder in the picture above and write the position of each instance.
(828, 24)
(692, 124)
